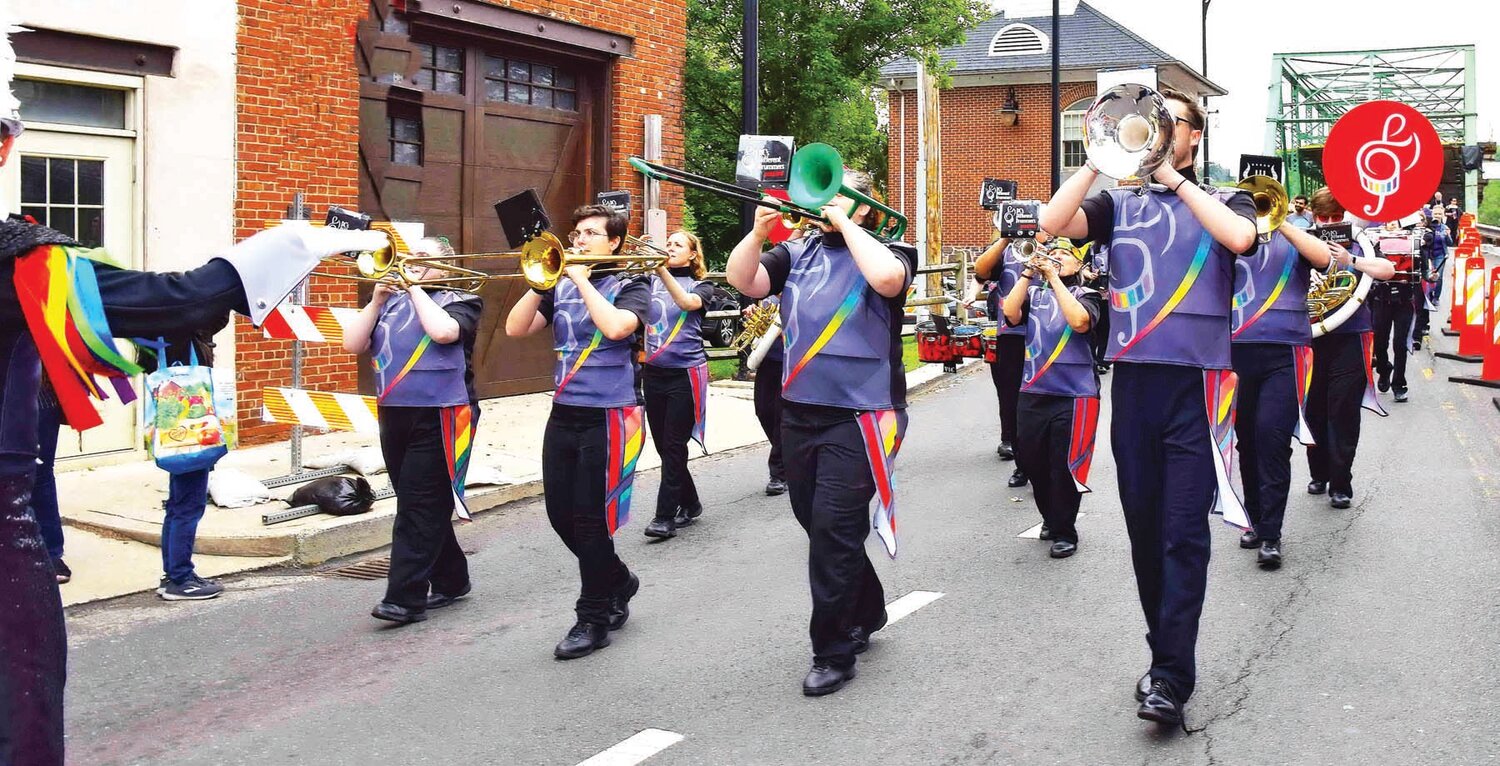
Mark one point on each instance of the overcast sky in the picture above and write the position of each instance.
(1242, 35)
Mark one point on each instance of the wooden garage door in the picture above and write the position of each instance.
(450, 124)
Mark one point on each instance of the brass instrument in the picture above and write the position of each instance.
(1127, 132)
(1272, 203)
(755, 325)
(1336, 294)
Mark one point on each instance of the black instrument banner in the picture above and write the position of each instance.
(1262, 165)
(763, 162)
(1341, 234)
(994, 192)
(1020, 219)
(522, 218)
(615, 200)
(339, 218)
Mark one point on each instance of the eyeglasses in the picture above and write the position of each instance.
(1185, 121)
(574, 237)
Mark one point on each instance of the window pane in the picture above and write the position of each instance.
(449, 82)
(71, 104)
(519, 71)
(541, 97)
(450, 58)
(33, 180)
(62, 220)
(541, 75)
(60, 191)
(423, 79)
(90, 182)
(406, 154)
(566, 80)
(566, 100)
(39, 213)
(517, 94)
(403, 129)
(424, 53)
(494, 90)
(494, 66)
(90, 227)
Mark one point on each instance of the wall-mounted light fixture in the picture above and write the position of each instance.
(1010, 111)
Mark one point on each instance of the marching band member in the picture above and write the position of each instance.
(1272, 355)
(1342, 381)
(843, 410)
(1058, 409)
(768, 408)
(1172, 382)
(1394, 304)
(421, 343)
(594, 434)
(1000, 264)
(676, 378)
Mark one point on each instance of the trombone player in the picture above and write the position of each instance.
(1171, 282)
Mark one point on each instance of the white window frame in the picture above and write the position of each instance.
(1072, 128)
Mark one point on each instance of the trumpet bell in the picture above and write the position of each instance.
(1127, 132)
(1271, 203)
(815, 177)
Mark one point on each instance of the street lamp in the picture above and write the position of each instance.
(1010, 110)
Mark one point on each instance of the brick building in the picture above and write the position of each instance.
(1004, 65)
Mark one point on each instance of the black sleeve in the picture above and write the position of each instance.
(145, 304)
(907, 254)
(549, 301)
(1243, 204)
(1093, 302)
(1099, 211)
(1025, 310)
(705, 291)
(466, 312)
(635, 297)
(778, 263)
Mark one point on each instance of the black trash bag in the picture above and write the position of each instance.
(336, 495)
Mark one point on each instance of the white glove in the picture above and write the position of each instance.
(273, 262)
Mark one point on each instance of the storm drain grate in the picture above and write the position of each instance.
(369, 569)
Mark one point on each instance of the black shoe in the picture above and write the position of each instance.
(661, 529)
(1045, 533)
(860, 638)
(400, 615)
(1269, 556)
(1248, 539)
(1006, 451)
(582, 639)
(437, 600)
(1401, 395)
(1017, 479)
(1160, 706)
(1340, 500)
(619, 609)
(1062, 549)
(1143, 687)
(775, 487)
(686, 517)
(1316, 487)
(1383, 382)
(825, 679)
(64, 574)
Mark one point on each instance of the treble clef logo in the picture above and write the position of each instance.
(1383, 150)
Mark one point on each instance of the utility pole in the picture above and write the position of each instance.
(1204, 144)
(932, 181)
(1056, 98)
(750, 91)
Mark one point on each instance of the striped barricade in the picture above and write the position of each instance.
(319, 409)
(309, 324)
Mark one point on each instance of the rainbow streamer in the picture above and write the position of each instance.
(1371, 400)
(1056, 352)
(851, 301)
(1281, 282)
(883, 431)
(671, 336)
(698, 376)
(458, 445)
(1081, 445)
(1194, 269)
(626, 434)
(411, 362)
(589, 349)
(1302, 368)
(1220, 388)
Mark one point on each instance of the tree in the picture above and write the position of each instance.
(819, 80)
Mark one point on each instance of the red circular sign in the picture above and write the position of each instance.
(1383, 160)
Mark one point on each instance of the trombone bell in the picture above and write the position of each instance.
(1271, 203)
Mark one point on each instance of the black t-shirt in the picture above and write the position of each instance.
(1100, 212)
(465, 311)
(778, 264)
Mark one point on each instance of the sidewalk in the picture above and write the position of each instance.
(113, 513)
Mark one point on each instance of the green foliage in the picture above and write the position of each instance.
(1489, 207)
(819, 72)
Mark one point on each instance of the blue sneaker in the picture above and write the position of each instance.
(195, 588)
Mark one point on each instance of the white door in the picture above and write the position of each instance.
(84, 186)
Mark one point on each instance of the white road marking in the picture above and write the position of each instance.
(909, 603)
(1035, 533)
(637, 748)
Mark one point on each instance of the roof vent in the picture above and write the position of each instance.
(1018, 40)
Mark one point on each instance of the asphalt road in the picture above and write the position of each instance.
(1376, 643)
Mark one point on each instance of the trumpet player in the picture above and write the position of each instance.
(843, 394)
(1058, 406)
(1171, 280)
(1272, 355)
(595, 432)
(676, 378)
(1001, 263)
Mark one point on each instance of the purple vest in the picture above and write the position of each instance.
(838, 333)
(1010, 274)
(412, 370)
(1270, 295)
(1359, 321)
(1170, 284)
(1059, 361)
(592, 370)
(674, 337)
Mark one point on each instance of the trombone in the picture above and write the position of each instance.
(1271, 204)
(816, 177)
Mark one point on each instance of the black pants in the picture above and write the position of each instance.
(1099, 338)
(1333, 402)
(33, 640)
(1045, 427)
(575, 456)
(828, 474)
(1265, 420)
(1392, 317)
(424, 548)
(1164, 458)
(1010, 361)
(670, 415)
(768, 411)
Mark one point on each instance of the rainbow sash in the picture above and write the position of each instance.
(626, 432)
(1371, 400)
(1081, 445)
(882, 431)
(458, 444)
(698, 376)
(1302, 368)
(1219, 389)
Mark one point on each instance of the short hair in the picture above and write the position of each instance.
(699, 269)
(1302, 197)
(1324, 205)
(437, 246)
(615, 222)
(1197, 117)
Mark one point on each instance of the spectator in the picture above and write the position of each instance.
(1300, 216)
